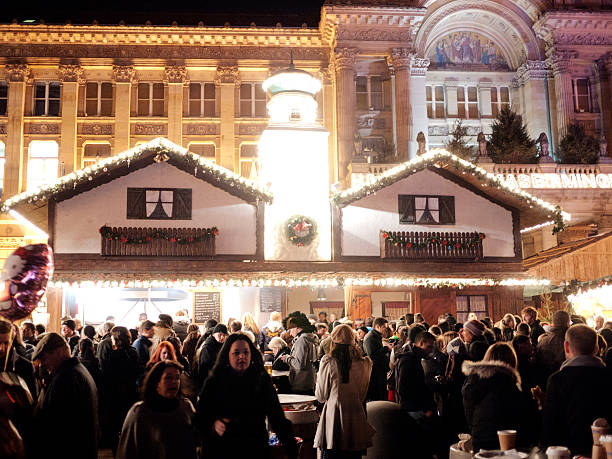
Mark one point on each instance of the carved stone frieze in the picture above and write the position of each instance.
(588, 39)
(251, 129)
(71, 73)
(605, 64)
(18, 72)
(437, 130)
(175, 74)
(202, 129)
(531, 70)
(326, 75)
(375, 34)
(97, 129)
(42, 128)
(401, 58)
(123, 73)
(344, 58)
(150, 129)
(559, 60)
(228, 75)
(419, 66)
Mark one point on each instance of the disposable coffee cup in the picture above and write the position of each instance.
(598, 431)
(599, 452)
(558, 452)
(507, 439)
(606, 441)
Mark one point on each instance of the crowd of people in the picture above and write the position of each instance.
(171, 389)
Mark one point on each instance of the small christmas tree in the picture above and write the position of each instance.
(577, 147)
(458, 144)
(510, 141)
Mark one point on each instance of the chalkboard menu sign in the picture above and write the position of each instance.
(206, 305)
(270, 299)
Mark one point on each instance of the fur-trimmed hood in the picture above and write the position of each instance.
(487, 369)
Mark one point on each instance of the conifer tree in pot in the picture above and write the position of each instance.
(509, 141)
(458, 142)
(578, 147)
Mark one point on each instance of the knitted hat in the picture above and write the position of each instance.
(220, 328)
(475, 327)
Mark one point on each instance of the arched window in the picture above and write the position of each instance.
(43, 162)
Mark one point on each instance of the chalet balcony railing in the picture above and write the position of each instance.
(164, 242)
(412, 245)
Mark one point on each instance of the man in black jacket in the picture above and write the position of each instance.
(70, 387)
(209, 351)
(530, 317)
(379, 354)
(577, 394)
(550, 353)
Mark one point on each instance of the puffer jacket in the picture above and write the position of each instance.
(492, 401)
(270, 330)
(302, 375)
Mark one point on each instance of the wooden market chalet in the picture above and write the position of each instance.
(434, 234)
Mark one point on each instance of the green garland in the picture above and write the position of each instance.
(166, 235)
(433, 241)
(292, 232)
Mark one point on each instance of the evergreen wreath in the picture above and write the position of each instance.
(300, 230)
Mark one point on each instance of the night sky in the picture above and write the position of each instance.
(290, 13)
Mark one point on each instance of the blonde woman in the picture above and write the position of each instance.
(342, 384)
(249, 324)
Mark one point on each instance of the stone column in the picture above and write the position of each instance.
(326, 76)
(532, 80)
(420, 122)
(176, 77)
(227, 79)
(18, 75)
(401, 58)
(559, 62)
(124, 77)
(605, 95)
(70, 76)
(344, 65)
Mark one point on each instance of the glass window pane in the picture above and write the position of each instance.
(428, 93)
(143, 107)
(54, 108)
(245, 91)
(39, 108)
(472, 94)
(473, 111)
(440, 110)
(493, 94)
(3, 107)
(259, 92)
(209, 91)
(460, 94)
(106, 91)
(245, 108)
(39, 91)
(209, 108)
(361, 84)
(158, 108)
(376, 84)
(194, 108)
(440, 93)
(494, 110)
(106, 107)
(376, 99)
(158, 90)
(583, 86)
(91, 90)
(194, 91)
(245, 168)
(461, 110)
(429, 111)
(54, 90)
(362, 101)
(504, 94)
(91, 107)
(143, 90)
(3, 90)
(260, 109)
(43, 149)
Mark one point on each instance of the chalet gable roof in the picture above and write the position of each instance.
(533, 210)
(124, 163)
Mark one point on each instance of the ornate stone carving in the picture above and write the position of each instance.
(251, 129)
(344, 58)
(2, 128)
(326, 75)
(419, 66)
(42, 128)
(18, 72)
(437, 130)
(202, 129)
(228, 74)
(150, 129)
(588, 39)
(375, 34)
(175, 74)
(531, 70)
(401, 58)
(71, 73)
(123, 73)
(559, 60)
(97, 129)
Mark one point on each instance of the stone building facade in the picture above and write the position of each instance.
(391, 70)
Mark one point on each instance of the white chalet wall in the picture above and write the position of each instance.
(79, 218)
(363, 219)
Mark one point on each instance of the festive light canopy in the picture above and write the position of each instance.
(440, 158)
(157, 150)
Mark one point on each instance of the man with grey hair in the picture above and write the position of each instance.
(105, 346)
(577, 394)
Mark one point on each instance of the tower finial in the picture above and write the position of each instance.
(291, 66)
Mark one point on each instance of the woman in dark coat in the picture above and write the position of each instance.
(235, 401)
(492, 397)
(89, 360)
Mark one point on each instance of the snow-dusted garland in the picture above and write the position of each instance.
(433, 241)
(108, 233)
(343, 198)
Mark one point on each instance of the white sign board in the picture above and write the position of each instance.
(553, 181)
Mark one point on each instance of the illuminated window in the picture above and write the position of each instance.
(202, 99)
(94, 152)
(2, 161)
(500, 98)
(248, 160)
(207, 150)
(47, 98)
(467, 304)
(43, 162)
(426, 210)
(252, 101)
(435, 101)
(150, 99)
(581, 90)
(3, 97)
(467, 102)
(99, 99)
(369, 91)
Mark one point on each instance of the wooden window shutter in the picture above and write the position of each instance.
(447, 209)
(182, 204)
(136, 207)
(406, 208)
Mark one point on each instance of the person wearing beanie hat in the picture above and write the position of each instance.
(55, 411)
(208, 353)
(472, 335)
(70, 334)
(303, 355)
